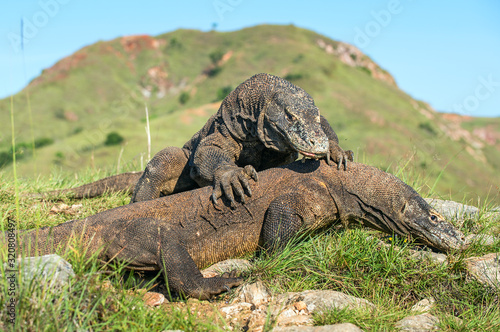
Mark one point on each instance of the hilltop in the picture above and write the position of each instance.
(183, 75)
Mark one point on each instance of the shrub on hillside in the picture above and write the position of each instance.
(216, 56)
(5, 159)
(223, 92)
(214, 71)
(113, 138)
(43, 141)
(175, 44)
(426, 126)
(184, 97)
(293, 76)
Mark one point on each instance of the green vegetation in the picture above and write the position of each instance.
(427, 127)
(223, 92)
(216, 56)
(293, 77)
(214, 71)
(184, 97)
(347, 260)
(113, 138)
(22, 150)
(380, 123)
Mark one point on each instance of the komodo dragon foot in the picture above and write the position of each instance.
(339, 156)
(230, 178)
(216, 285)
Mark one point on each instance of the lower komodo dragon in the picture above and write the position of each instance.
(265, 122)
(181, 233)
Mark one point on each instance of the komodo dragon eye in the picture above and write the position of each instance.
(290, 115)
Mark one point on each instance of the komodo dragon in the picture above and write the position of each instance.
(265, 122)
(181, 233)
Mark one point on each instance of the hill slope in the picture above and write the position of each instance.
(181, 76)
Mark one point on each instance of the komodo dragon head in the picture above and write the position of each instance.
(388, 204)
(282, 115)
(430, 227)
(292, 120)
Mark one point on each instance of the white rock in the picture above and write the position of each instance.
(345, 327)
(430, 255)
(153, 299)
(255, 293)
(241, 265)
(424, 305)
(319, 300)
(294, 320)
(453, 210)
(485, 269)
(235, 309)
(482, 239)
(50, 270)
(419, 323)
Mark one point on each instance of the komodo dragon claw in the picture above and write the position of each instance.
(339, 156)
(230, 180)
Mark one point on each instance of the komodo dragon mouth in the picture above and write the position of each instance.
(309, 143)
(312, 155)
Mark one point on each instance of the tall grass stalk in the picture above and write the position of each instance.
(28, 101)
(30, 116)
(119, 159)
(148, 133)
(16, 184)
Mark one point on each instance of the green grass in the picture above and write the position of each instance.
(347, 260)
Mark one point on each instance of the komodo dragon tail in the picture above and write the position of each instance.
(47, 240)
(121, 182)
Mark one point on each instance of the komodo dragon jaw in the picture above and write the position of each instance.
(384, 202)
(418, 220)
(427, 225)
(310, 142)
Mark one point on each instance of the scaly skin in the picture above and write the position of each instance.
(265, 122)
(181, 233)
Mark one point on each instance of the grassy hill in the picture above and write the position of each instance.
(181, 77)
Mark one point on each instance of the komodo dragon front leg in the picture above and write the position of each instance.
(167, 173)
(214, 163)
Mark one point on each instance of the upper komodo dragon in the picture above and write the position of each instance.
(265, 122)
(181, 233)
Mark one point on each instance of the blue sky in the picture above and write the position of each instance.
(444, 52)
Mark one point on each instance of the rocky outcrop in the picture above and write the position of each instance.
(485, 269)
(419, 323)
(353, 57)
